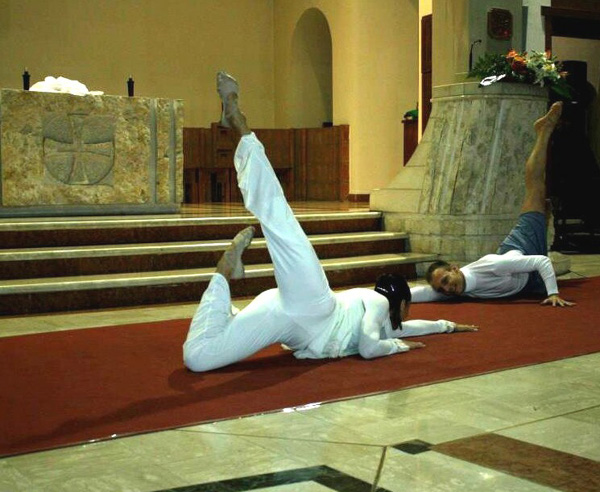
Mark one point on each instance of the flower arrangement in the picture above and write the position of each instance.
(535, 68)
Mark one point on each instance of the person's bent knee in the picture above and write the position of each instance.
(197, 364)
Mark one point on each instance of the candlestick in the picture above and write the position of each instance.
(130, 83)
(26, 79)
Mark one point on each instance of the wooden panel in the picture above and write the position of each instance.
(216, 185)
(359, 198)
(197, 147)
(427, 94)
(321, 175)
(223, 138)
(411, 137)
(191, 147)
(300, 163)
(426, 68)
(311, 164)
(279, 146)
(206, 152)
(570, 23)
(326, 163)
(191, 184)
(426, 43)
(591, 5)
(342, 158)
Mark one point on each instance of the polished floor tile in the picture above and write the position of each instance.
(562, 434)
(523, 459)
(435, 472)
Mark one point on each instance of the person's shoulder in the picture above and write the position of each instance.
(371, 297)
(485, 259)
(367, 297)
(358, 293)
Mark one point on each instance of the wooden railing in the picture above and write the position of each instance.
(311, 163)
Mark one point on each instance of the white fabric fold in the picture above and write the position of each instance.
(64, 85)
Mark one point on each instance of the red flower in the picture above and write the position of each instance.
(518, 62)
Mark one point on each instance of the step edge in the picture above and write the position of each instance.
(64, 284)
(12, 225)
(112, 250)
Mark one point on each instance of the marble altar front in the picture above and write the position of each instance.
(461, 192)
(62, 154)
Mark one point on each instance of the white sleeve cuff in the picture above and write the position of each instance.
(402, 347)
(448, 325)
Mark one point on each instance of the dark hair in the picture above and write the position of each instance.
(434, 266)
(395, 289)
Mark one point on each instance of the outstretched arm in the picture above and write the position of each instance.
(420, 327)
(518, 263)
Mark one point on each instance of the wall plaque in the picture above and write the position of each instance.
(500, 24)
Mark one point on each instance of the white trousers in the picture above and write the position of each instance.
(294, 313)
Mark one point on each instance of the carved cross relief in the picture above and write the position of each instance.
(79, 148)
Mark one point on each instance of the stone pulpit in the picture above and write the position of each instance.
(462, 190)
(63, 155)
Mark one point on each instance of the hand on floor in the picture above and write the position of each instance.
(414, 345)
(557, 301)
(459, 328)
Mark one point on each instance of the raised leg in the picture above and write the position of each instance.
(535, 167)
(304, 289)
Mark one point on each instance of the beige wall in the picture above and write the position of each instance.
(375, 77)
(450, 56)
(172, 48)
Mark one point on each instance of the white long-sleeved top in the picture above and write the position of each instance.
(495, 276)
(361, 325)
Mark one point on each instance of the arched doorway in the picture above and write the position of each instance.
(310, 108)
(311, 99)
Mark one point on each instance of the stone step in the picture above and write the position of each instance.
(123, 258)
(36, 233)
(25, 296)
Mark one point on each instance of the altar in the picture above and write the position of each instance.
(67, 155)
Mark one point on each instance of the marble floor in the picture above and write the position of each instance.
(535, 428)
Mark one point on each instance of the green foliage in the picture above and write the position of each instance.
(536, 68)
(490, 64)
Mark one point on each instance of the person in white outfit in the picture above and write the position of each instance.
(521, 264)
(302, 312)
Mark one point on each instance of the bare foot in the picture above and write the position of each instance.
(545, 125)
(231, 117)
(228, 89)
(230, 265)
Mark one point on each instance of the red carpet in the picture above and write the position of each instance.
(70, 387)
